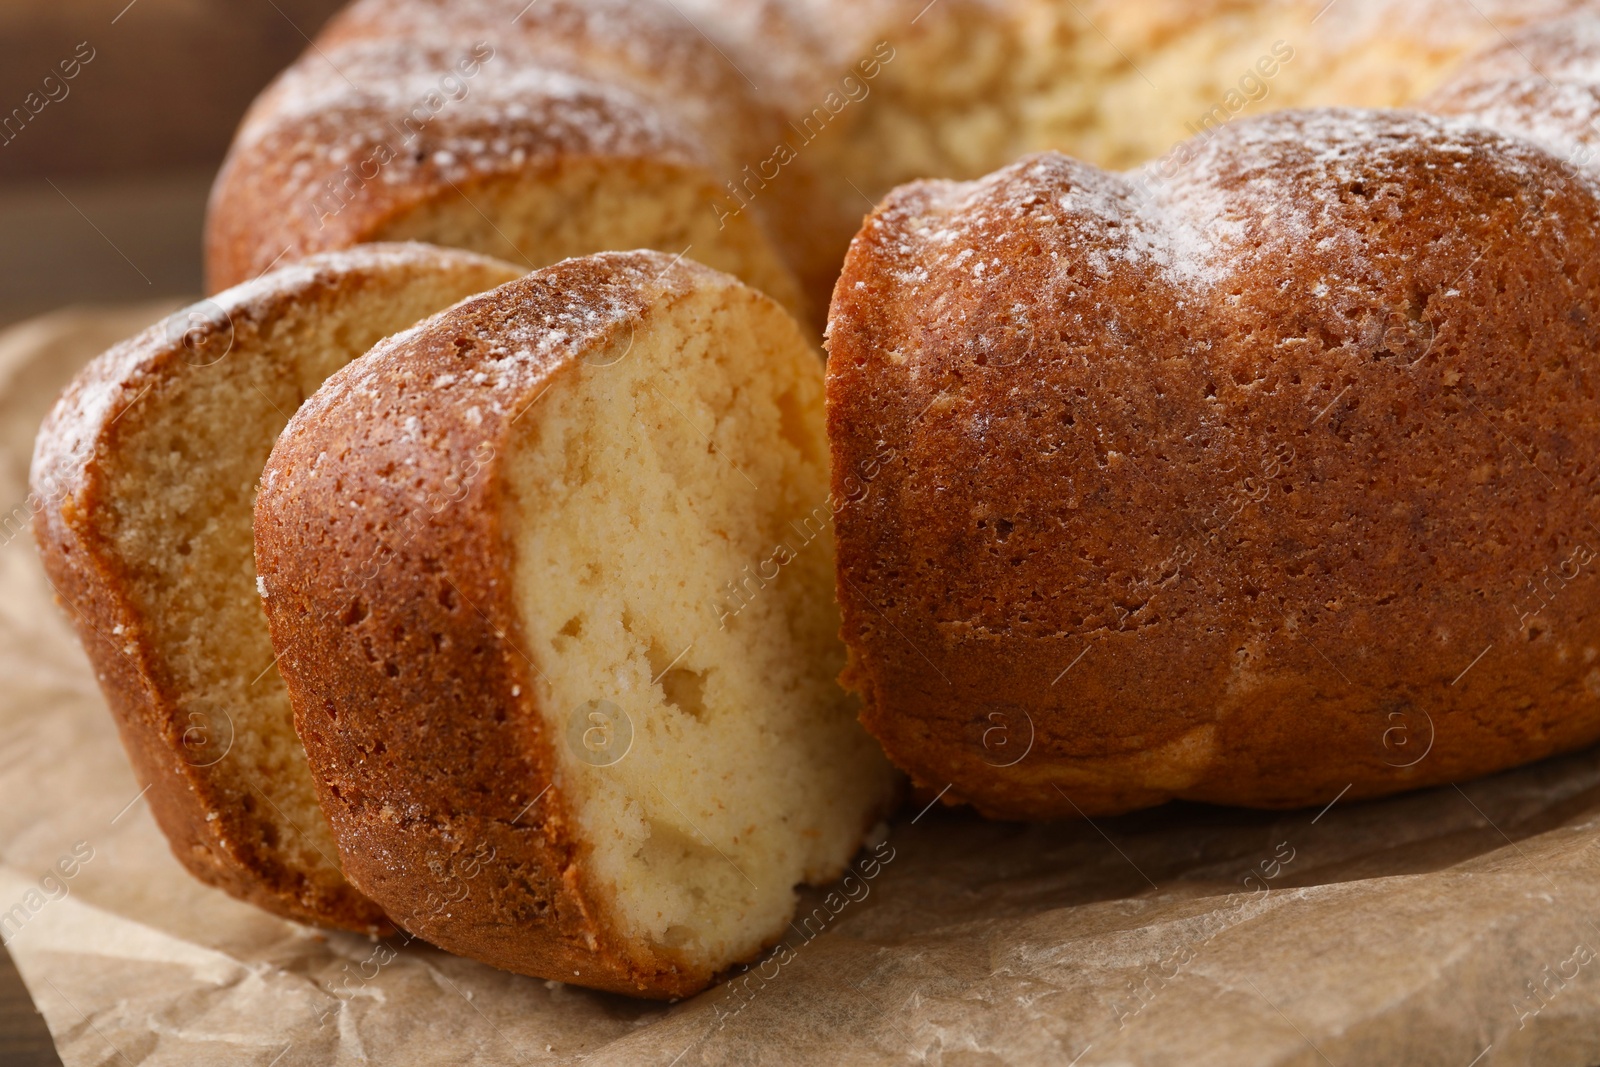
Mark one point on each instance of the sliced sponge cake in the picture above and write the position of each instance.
(552, 579)
(148, 467)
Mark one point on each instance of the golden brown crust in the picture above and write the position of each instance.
(319, 166)
(326, 157)
(1539, 84)
(706, 92)
(387, 584)
(80, 447)
(406, 104)
(1277, 447)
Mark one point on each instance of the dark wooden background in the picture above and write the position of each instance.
(103, 192)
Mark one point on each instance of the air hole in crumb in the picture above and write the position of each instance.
(667, 847)
(573, 627)
(683, 688)
(686, 690)
(677, 936)
(654, 653)
(354, 613)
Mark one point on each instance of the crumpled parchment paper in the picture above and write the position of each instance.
(1455, 927)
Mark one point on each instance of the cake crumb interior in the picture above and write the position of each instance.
(675, 578)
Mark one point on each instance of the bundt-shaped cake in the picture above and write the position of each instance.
(1258, 473)
(148, 466)
(755, 134)
(1251, 482)
(552, 587)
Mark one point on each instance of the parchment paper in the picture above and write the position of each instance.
(1456, 927)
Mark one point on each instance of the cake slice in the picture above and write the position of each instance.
(551, 576)
(148, 468)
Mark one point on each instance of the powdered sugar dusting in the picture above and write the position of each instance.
(416, 103)
(1543, 85)
(524, 331)
(1270, 187)
(1261, 194)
